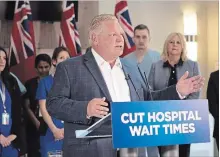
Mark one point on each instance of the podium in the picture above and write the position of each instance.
(154, 123)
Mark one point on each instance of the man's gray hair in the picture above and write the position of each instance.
(96, 23)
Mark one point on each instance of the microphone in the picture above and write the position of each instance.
(146, 82)
(129, 78)
(149, 87)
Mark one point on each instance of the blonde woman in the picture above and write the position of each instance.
(173, 65)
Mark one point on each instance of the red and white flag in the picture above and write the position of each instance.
(69, 36)
(122, 14)
(22, 49)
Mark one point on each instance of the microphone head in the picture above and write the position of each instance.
(127, 77)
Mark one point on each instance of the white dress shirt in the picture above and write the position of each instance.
(114, 78)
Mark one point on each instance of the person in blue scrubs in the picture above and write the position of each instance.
(53, 139)
(142, 56)
(10, 110)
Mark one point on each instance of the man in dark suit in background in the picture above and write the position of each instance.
(213, 98)
(83, 84)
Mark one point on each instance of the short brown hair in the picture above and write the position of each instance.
(141, 27)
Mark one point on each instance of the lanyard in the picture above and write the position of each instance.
(2, 92)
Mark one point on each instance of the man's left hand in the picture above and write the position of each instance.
(186, 86)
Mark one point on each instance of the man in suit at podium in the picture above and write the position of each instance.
(213, 98)
(83, 85)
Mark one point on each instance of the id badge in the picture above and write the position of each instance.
(5, 119)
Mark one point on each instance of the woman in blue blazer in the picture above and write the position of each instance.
(167, 72)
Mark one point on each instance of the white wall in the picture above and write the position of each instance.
(162, 18)
(212, 36)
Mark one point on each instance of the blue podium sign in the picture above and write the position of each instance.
(158, 123)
